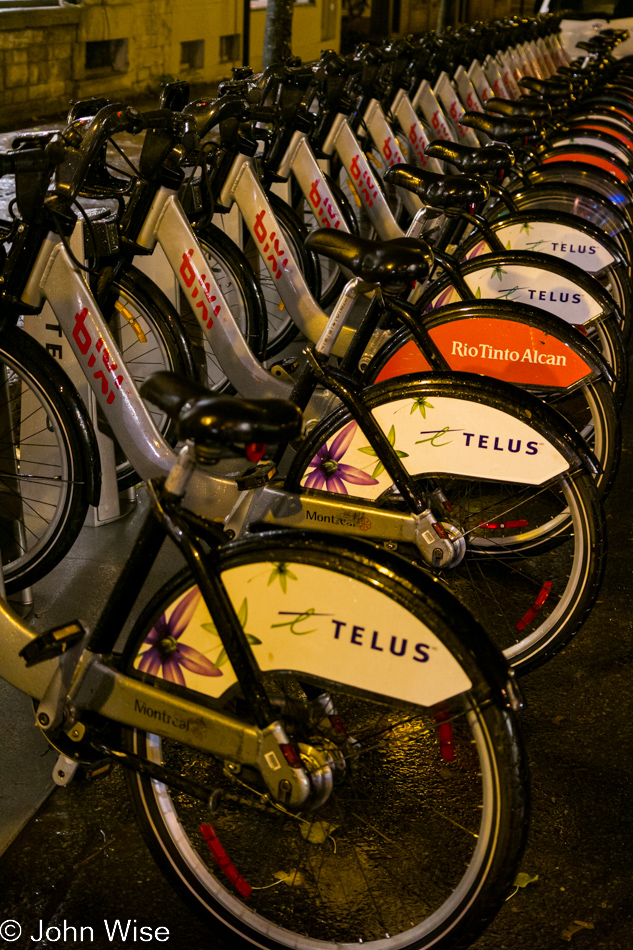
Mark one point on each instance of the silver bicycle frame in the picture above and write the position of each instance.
(341, 140)
(211, 496)
(387, 143)
(300, 161)
(406, 116)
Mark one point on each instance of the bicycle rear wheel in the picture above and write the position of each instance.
(525, 545)
(419, 838)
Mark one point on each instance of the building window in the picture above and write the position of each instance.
(229, 47)
(192, 54)
(107, 54)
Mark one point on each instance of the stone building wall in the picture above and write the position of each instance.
(51, 55)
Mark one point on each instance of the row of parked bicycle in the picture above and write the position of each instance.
(494, 307)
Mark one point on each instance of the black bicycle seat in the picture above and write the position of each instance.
(208, 419)
(378, 262)
(529, 106)
(548, 88)
(502, 128)
(472, 161)
(438, 191)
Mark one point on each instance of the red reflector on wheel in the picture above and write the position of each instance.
(495, 525)
(445, 736)
(536, 606)
(224, 862)
(291, 755)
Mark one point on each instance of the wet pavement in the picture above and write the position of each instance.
(80, 859)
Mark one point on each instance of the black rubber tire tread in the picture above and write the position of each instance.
(54, 389)
(503, 747)
(163, 318)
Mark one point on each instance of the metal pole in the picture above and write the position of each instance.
(246, 33)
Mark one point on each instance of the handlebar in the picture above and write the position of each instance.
(32, 159)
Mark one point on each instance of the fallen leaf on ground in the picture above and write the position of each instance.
(574, 928)
(317, 831)
(523, 879)
(291, 878)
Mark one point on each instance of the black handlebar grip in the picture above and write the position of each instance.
(32, 159)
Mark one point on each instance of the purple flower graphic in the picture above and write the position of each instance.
(476, 251)
(165, 650)
(442, 299)
(329, 472)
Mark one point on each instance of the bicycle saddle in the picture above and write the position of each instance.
(205, 418)
(530, 106)
(502, 128)
(438, 191)
(469, 160)
(550, 88)
(376, 262)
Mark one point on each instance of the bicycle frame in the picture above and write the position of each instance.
(82, 680)
(299, 160)
(213, 497)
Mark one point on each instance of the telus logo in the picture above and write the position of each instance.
(570, 249)
(555, 296)
(499, 443)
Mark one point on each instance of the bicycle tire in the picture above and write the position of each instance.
(465, 878)
(150, 336)
(551, 553)
(281, 328)
(243, 295)
(43, 453)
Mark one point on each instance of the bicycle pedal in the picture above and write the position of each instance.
(96, 770)
(52, 643)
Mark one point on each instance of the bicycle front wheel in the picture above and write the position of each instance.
(418, 841)
(43, 469)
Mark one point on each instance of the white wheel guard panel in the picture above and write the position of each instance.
(310, 620)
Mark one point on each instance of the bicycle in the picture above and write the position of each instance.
(250, 755)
